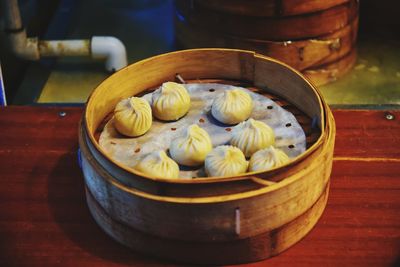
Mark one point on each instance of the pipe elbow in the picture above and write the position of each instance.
(24, 48)
(110, 48)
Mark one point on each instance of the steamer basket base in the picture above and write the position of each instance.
(251, 249)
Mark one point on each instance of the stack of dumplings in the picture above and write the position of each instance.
(251, 139)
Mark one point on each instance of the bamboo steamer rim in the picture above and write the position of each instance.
(324, 112)
(298, 27)
(331, 130)
(349, 29)
(324, 38)
(300, 54)
(271, 8)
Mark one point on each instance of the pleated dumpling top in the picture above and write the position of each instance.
(158, 164)
(132, 116)
(170, 102)
(232, 106)
(192, 148)
(225, 161)
(251, 136)
(268, 158)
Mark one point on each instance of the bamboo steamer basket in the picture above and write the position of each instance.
(316, 37)
(269, 8)
(208, 220)
(301, 54)
(292, 28)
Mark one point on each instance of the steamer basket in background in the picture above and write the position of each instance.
(210, 220)
(315, 37)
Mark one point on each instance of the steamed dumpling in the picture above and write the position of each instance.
(268, 158)
(232, 106)
(132, 116)
(252, 135)
(225, 161)
(192, 148)
(170, 102)
(158, 164)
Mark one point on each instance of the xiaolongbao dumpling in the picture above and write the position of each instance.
(232, 106)
(170, 102)
(267, 158)
(132, 116)
(158, 164)
(192, 148)
(252, 135)
(225, 161)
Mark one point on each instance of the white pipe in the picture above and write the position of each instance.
(23, 47)
(110, 48)
(105, 47)
(64, 48)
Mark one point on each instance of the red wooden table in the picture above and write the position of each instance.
(44, 220)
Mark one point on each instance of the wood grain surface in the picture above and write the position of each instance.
(44, 220)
